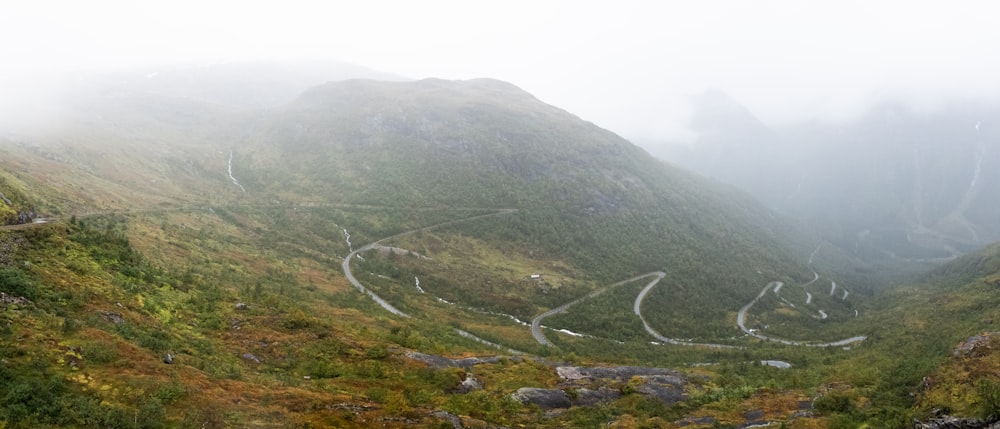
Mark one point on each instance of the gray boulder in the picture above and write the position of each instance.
(589, 397)
(545, 399)
(622, 373)
(469, 384)
(669, 394)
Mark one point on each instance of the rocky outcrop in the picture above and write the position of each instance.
(456, 423)
(11, 299)
(469, 384)
(545, 399)
(689, 421)
(585, 397)
(754, 418)
(949, 422)
(442, 362)
(662, 389)
(590, 386)
(976, 345)
(665, 385)
(112, 316)
(463, 422)
(621, 373)
(26, 216)
(22, 216)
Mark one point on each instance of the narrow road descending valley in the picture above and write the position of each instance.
(741, 316)
(637, 309)
(536, 323)
(385, 304)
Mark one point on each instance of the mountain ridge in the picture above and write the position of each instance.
(222, 242)
(895, 185)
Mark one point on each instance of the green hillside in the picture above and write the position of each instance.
(217, 234)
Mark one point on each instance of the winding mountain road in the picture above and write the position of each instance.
(536, 323)
(741, 316)
(637, 309)
(385, 304)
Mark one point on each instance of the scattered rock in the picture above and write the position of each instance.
(545, 399)
(976, 345)
(250, 357)
(949, 422)
(351, 407)
(621, 373)
(456, 423)
(469, 384)
(113, 317)
(242, 306)
(601, 384)
(588, 397)
(569, 373)
(665, 392)
(439, 362)
(168, 359)
(754, 417)
(11, 299)
(688, 421)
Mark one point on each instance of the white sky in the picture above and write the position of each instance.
(626, 65)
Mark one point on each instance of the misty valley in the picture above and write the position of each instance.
(254, 245)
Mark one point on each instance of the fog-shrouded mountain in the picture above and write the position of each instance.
(259, 84)
(355, 252)
(582, 194)
(896, 183)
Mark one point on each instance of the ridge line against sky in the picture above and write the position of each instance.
(629, 66)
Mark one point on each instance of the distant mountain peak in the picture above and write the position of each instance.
(715, 112)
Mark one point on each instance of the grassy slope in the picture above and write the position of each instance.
(593, 209)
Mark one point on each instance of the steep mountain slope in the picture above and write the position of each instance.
(583, 195)
(236, 240)
(894, 184)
